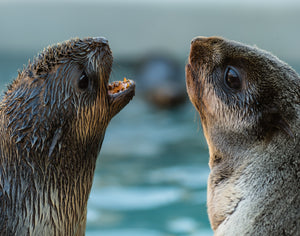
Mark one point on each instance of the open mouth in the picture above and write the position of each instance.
(120, 93)
(119, 87)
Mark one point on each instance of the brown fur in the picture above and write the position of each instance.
(253, 137)
(51, 132)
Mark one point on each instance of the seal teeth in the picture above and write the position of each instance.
(119, 86)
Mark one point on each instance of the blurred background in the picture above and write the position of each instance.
(151, 176)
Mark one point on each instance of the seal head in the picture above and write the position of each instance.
(53, 119)
(249, 104)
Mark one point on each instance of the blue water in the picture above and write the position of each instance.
(154, 182)
(151, 173)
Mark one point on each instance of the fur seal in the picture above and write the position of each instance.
(52, 123)
(249, 105)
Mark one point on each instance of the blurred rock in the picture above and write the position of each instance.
(160, 80)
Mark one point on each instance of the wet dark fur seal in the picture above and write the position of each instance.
(249, 104)
(52, 123)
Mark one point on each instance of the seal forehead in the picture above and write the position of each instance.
(216, 50)
(100, 40)
(206, 50)
(74, 49)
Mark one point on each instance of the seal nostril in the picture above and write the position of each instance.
(100, 40)
(198, 39)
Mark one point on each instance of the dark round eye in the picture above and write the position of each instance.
(83, 81)
(232, 78)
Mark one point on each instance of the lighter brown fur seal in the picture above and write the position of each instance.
(52, 123)
(249, 104)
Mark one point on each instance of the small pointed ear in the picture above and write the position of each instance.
(274, 121)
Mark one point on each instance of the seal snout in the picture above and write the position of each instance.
(101, 40)
(198, 39)
(206, 40)
(204, 51)
(100, 59)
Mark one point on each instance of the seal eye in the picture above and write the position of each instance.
(83, 81)
(232, 78)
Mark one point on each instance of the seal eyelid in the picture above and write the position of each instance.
(83, 81)
(232, 78)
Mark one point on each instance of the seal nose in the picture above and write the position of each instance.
(100, 40)
(198, 39)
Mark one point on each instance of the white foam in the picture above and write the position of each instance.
(125, 232)
(188, 176)
(133, 198)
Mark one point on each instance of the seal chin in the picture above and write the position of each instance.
(119, 94)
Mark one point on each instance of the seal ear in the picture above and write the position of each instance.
(274, 121)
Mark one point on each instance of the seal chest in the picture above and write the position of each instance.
(249, 104)
(53, 119)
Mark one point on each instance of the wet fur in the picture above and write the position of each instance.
(253, 137)
(51, 133)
